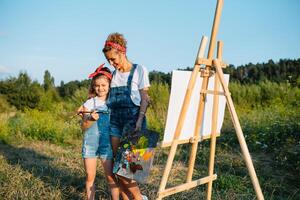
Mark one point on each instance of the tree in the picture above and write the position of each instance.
(48, 81)
(21, 92)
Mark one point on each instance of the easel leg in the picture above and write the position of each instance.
(213, 139)
(239, 133)
(167, 170)
(181, 118)
(198, 120)
(214, 127)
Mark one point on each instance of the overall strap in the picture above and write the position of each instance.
(94, 100)
(99, 111)
(114, 73)
(134, 66)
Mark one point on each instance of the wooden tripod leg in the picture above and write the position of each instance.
(213, 140)
(211, 48)
(181, 118)
(239, 132)
(198, 122)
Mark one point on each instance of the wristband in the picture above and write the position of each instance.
(142, 113)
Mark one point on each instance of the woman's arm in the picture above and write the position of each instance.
(145, 100)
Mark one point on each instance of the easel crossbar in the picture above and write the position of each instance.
(192, 140)
(187, 186)
(209, 62)
(212, 92)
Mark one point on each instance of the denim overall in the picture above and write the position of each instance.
(96, 141)
(124, 113)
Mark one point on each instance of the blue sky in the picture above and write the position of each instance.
(66, 37)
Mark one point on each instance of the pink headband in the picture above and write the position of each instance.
(115, 46)
(100, 70)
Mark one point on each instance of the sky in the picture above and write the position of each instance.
(66, 36)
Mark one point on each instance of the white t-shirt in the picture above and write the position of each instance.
(140, 80)
(95, 104)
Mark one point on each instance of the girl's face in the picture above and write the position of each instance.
(116, 59)
(101, 87)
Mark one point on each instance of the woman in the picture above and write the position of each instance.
(128, 100)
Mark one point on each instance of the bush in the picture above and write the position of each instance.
(274, 130)
(4, 131)
(79, 97)
(264, 94)
(48, 100)
(5, 107)
(157, 112)
(21, 92)
(45, 126)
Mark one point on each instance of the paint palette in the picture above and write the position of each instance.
(135, 155)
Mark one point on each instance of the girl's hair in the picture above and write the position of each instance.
(92, 92)
(115, 38)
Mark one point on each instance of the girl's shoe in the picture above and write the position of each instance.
(144, 197)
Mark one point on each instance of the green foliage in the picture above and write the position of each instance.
(274, 130)
(69, 89)
(157, 112)
(160, 77)
(21, 92)
(48, 81)
(78, 98)
(5, 107)
(48, 100)
(4, 131)
(47, 126)
(264, 94)
(286, 70)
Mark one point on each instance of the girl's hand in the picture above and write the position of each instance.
(80, 110)
(94, 116)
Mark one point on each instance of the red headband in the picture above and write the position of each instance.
(115, 46)
(100, 70)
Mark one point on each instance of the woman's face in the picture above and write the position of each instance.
(116, 59)
(101, 87)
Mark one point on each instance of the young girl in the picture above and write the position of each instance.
(95, 123)
(128, 99)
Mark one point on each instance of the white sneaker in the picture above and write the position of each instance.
(144, 197)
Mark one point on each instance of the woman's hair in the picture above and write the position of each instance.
(92, 92)
(115, 38)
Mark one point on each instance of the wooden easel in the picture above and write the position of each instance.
(209, 64)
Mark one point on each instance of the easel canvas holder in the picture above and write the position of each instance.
(178, 134)
(179, 85)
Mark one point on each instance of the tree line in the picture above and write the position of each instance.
(283, 71)
(22, 92)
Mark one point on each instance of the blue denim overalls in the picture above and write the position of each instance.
(96, 141)
(124, 113)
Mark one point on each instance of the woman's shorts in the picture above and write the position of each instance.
(124, 120)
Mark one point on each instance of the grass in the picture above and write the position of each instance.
(41, 170)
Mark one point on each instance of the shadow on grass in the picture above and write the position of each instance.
(71, 183)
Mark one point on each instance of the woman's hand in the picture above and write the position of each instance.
(138, 125)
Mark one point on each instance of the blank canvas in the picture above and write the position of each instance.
(179, 85)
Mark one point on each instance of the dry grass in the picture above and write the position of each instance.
(40, 170)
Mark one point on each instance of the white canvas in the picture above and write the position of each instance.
(180, 81)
